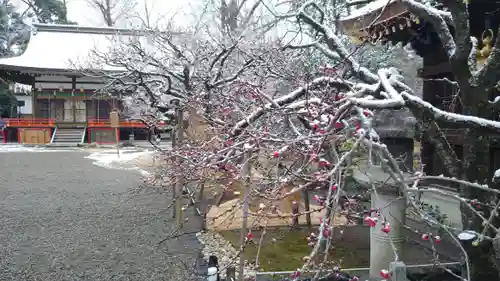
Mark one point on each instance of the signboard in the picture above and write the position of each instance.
(114, 119)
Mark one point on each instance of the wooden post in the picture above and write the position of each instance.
(231, 273)
(295, 214)
(398, 271)
(174, 193)
(179, 181)
(246, 198)
(114, 121)
(307, 207)
(117, 136)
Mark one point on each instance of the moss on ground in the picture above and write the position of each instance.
(284, 250)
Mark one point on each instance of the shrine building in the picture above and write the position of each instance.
(67, 106)
(390, 22)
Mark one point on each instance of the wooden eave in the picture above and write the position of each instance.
(360, 26)
(17, 76)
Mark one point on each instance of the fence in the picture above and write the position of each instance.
(398, 272)
(363, 273)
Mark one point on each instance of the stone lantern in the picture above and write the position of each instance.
(396, 129)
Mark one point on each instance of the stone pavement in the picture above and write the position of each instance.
(65, 219)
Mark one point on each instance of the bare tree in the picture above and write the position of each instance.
(296, 121)
(112, 11)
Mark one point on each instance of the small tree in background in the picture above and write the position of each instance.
(14, 33)
(8, 103)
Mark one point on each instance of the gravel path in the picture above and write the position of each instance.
(63, 219)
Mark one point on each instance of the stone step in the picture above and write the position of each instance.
(66, 141)
(63, 138)
(68, 135)
(69, 132)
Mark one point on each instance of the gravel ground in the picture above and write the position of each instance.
(63, 219)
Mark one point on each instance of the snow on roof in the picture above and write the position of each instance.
(66, 47)
(369, 8)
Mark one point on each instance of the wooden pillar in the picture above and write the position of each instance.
(435, 66)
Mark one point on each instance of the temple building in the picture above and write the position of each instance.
(389, 22)
(65, 104)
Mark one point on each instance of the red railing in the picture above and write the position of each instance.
(51, 122)
(30, 122)
(105, 123)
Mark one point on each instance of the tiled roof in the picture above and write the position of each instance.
(66, 48)
(386, 13)
(368, 9)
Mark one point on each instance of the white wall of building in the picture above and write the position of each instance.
(28, 104)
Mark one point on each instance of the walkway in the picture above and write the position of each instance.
(64, 218)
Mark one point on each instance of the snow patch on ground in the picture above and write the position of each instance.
(124, 160)
(7, 148)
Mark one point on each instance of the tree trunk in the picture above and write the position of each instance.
(477, 169)
(108, 17)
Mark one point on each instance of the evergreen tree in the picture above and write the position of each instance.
(8, 102)
(49, 11)
(14, 34)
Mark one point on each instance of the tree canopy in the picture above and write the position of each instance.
(14, 33)
(8, 103)
(49, 11)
